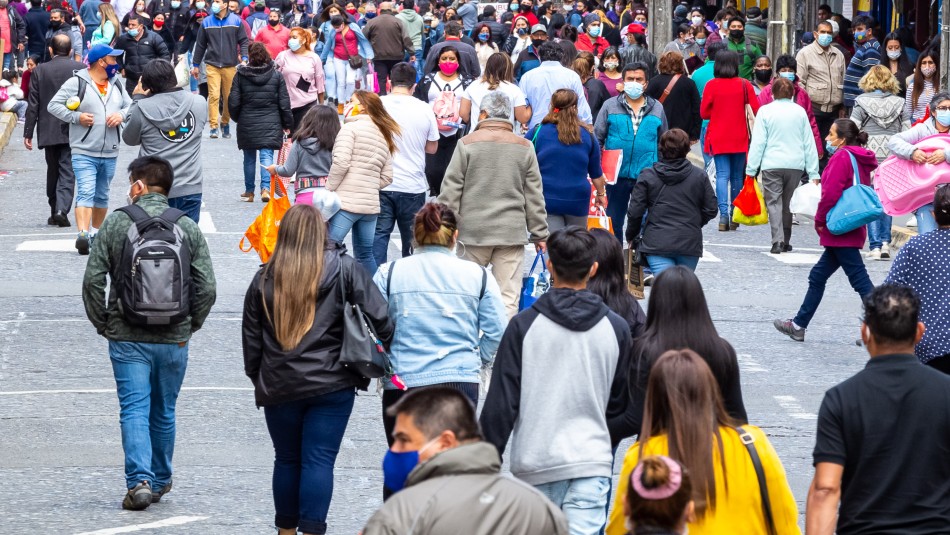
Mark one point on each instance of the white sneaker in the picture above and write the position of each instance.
(885, 252)
(912, 222)
(874, 254)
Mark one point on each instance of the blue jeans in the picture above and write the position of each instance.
(148, 378)
(618, 197)
(395, 208)
(925, 219)
(93, 176)
(879, 232)
(583, 500)
(847, 258)
(658, 264)
(190, 204)
(730, 170)
(250, 167)
(306, 434)
(702, 144)
(8, 58)
(364, 230)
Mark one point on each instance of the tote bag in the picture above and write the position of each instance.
(858, 206)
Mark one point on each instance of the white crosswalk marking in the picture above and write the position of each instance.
(56, 246)
(709, 257)
(794, 258)
(794, 409)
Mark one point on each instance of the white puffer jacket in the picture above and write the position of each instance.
(362, 165)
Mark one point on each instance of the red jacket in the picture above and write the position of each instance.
(584, 44)
(837, 177)
(723, 105)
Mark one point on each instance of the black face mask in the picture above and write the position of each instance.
(763, 75)
(536, 43)
(55, 24)
(736, 35)
(273, 22)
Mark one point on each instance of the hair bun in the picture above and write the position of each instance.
(655, 473)
(431, 217)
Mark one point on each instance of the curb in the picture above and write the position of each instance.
(7, 124)
(900, 236)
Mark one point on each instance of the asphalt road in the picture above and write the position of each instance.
(60, 450)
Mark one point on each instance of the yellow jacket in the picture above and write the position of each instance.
(738, 512)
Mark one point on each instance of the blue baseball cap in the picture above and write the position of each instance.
(100, 51)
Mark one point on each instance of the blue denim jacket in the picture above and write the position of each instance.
(434, 302)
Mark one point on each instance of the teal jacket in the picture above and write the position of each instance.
(104, 258)
(614, 130)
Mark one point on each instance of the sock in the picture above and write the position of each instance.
(796, 326)
(93, 231)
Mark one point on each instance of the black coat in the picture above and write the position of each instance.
(37, 24)
(596, 92)
(139, 53)
(260, 105)
(45, 82)
(312, 368)
(681, 106)
(680, 200)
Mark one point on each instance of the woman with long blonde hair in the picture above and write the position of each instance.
(108, 28)
(292, 331)
(567, 153)
(362, 165)
(498, 75)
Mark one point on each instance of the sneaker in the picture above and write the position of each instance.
(138, 498)
(265, 196)
(776, 248)
(247, 197)
(874, 254)
(885, 252)
(912, 222)
(82, 243)
(214, 133)
(787, 327)
(226, 131)
(795, 219)
(157, 496)
(339, 109)
(723, 224)
(786, 248)
(648, 279)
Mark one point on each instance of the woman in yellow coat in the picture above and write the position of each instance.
(684, 419)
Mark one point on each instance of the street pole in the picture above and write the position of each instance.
(660, 24)
(944, 43)
(780, 34)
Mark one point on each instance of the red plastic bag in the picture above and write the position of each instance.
(747, 201)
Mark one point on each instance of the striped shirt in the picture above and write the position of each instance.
(912, 113)
(865, 57)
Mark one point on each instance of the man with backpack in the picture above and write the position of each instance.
(740, 44)
(147, 320)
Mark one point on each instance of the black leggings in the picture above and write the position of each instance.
(437, 163)
(299, 113)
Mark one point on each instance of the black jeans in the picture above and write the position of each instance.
(396, 208)
(847, 258)
(298, 114)
(383, 68)
(60, 180)
(437, 163)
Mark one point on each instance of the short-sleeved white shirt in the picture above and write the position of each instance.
(478, 90)
(417, 125)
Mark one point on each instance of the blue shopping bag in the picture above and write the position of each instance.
(533, 285)
(858, 206)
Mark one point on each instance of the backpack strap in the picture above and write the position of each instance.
(389, 278)
(81, 92)
(136, 213)
(172, 215)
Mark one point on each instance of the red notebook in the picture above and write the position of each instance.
(611, 161)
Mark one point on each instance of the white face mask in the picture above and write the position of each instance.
(128, 194)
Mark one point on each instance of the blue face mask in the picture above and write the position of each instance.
(790, 76)
(293, 44)
(514, 6)
(216, 8)
(176, 4)
(701, 41)
(398, 465)
(483, 37)
(943, 117)
(829, 148)
(824, 39)
(134, 32)
(633, 90)
(112, 70)
(594, 32)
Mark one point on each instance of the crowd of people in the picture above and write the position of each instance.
(476, 134)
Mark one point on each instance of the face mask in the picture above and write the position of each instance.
(139, 9)
(449, 67)
(483, 37)
(128, 194)
(790, 76)
(98, 16)
(736, 35)
(829, 148)
(522, 32)
(398, 465)
(351, 11)
(216, 8)
(134, 32)
(697, 21)
(273, 22)
(928, 71)
(200, 5)
(55, 24)
(351, 109)
(369, 14)
(158, 24)
(536, 43)
(860, 37)
(701, 41)
(514, 6)
(633, 90)
(594, 31)
(894, 54)
(824, 39)
(293, 44)
(763, 75)
(611, 65)
(943, 117)
(176, 4)
(112, 70)
(525, 8)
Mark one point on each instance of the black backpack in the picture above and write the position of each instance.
(153, 278)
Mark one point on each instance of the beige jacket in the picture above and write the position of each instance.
(362, 165)
(494, 184)
(821, 73)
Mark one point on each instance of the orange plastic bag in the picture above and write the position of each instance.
(600, 220)
(262, 234)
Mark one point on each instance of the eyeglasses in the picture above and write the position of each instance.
(943, 108)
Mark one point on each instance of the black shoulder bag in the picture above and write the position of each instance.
(639, 259)
(361, 351)
(749, 442)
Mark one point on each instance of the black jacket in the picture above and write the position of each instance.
(138, 53)
(17, 28)
(312, 368)
(45, 82)
(37, 24)
(176, 21)
(680, 200)
(682, 104)
(260, 105)
(597, 94)
(306, 20)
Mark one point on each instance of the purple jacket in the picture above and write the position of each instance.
(803, 100)
(837, 177)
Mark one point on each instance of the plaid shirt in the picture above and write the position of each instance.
(637, 116)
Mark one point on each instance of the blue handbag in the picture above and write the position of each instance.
(858, 206)
(534, 285)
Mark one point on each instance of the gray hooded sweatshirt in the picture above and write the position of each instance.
(308, 159)
(169, 125)
(413, 26)
(98, 140)
(880, 115)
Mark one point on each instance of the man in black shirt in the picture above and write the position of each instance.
(883, 445)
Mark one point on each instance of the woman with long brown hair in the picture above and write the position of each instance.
(292, 331)
(568, 153)
(594, 88)
(684, 419)
(921, 90)
(362, 165)
(498, 75)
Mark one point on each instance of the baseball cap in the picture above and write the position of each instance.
(539, 28)
(100, 51)
(635, 28)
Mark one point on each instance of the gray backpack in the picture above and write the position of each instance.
(153, 278)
